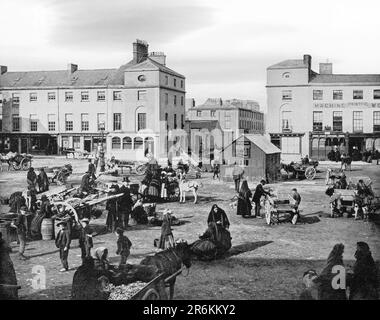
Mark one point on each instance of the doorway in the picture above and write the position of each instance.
(356, 142)
(87, 145)
(24, 145)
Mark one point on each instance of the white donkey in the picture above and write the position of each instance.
(187, 186)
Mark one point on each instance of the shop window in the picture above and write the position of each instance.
(376, 121)
(138, 143)
(290, 145)
(116, 143)
(127, 143)
(76, 142)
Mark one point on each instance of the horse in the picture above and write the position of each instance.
(170, 262)
(187, 186)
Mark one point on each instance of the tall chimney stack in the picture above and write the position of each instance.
(140, 51)
(307, 60)
(71, 68)
(3, 69)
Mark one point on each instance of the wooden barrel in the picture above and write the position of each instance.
(47, 229)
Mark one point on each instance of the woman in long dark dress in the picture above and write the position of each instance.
(218, 216)
(166, 239)
(244, 205)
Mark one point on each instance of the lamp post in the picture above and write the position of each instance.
(102, 161)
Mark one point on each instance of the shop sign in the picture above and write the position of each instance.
(347, 105)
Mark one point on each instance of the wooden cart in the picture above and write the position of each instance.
(277, 211)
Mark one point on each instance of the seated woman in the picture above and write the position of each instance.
(218, 216)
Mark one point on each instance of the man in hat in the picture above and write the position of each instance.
(62, 242)
(85, 239)
(124, 204)
(123, 245)
(20, 224)
(259, 192)
(112, 208)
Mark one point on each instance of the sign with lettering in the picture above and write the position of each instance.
(348, 105)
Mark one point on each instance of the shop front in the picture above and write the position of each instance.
(29, 143)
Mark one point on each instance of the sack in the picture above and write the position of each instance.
(204, 249)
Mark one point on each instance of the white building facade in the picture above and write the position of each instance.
(309, 113)
(128, 110)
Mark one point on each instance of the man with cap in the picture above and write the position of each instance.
(20, 224)
(62, 242)
(85, 239)
(123, 245)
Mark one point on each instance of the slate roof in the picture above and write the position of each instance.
(292, 63)
(263, 143)
(218, 103)
(346, 78)
(79, 78)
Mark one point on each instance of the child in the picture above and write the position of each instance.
(20, 225)
(85, 239)
(123, 245)
(62, 242)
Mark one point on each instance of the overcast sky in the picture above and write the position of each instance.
(222, 47)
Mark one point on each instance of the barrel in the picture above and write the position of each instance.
(47, 229)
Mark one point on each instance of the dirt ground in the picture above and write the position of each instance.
(265, 262)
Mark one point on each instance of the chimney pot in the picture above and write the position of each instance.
(71, 67)
(325, 68)
(3, 69)
(307, 60)
(159, 57)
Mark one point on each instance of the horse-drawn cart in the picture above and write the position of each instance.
(300, 170)
(277, 210)
(17, 161)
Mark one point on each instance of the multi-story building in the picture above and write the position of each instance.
(309, 113)
(217, 123)
(132, 107)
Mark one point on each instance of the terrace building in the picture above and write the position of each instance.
(309, 113)
(130, 109)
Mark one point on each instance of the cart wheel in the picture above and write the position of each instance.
(310, 173)
(25, 164)
(16, 166)
(141, 169)
(151, 294)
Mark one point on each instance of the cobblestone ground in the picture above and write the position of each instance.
(266, 262)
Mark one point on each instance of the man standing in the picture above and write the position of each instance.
(85, 239)
(91, 169)
(62, 242)
(31, 179)
(237, 175)
(259, 192)
(43, 181)
(20, 224)
(296, 199)
(125, 204)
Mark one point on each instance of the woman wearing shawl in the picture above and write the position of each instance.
(363, 283)
(244, 205)
(218, 216)
(325, 279)
(166, 239)
(43, 181)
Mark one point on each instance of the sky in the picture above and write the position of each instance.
(222, 47)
